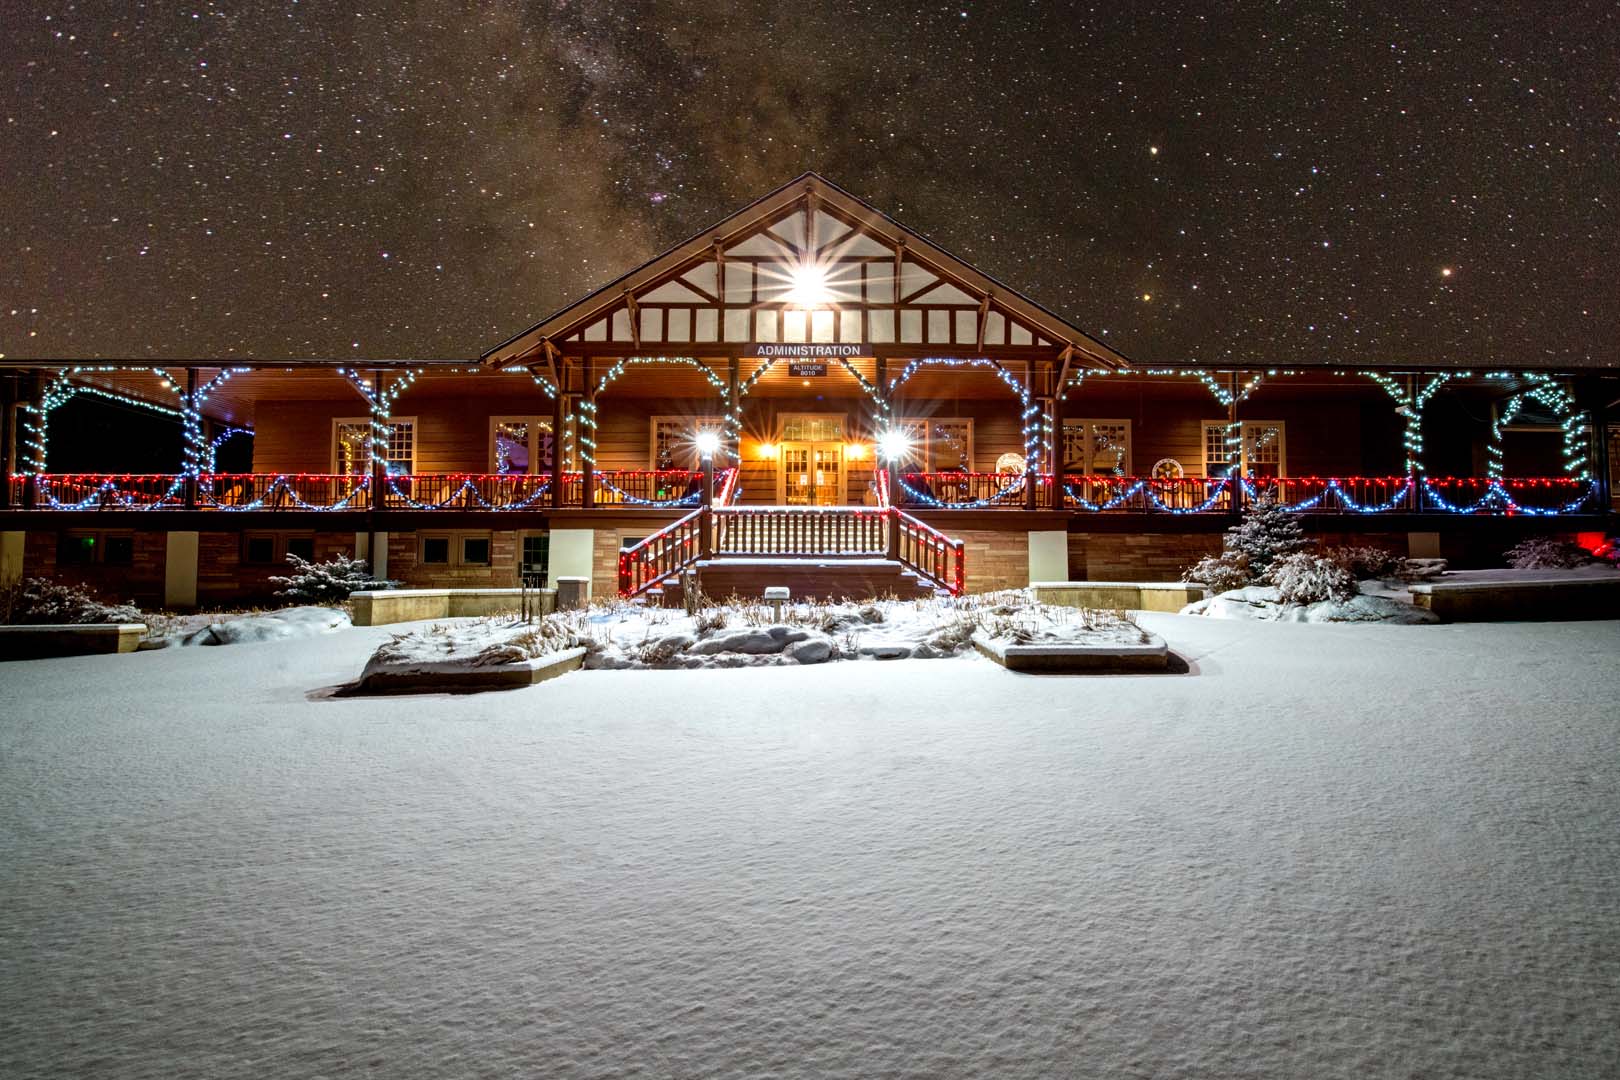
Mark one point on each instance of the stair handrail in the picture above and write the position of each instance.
(728, 487)
(662, 555)
(923, 549)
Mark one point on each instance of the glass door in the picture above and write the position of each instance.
(812, 473)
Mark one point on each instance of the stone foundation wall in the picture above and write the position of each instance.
(139, 582)
(1137, 556)
(995, 559)
(405, 567)
(223, 578)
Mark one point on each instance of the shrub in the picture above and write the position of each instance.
(1222, 573)
(1302, 578)
(328, 582)
(1364, 561)
(39, 601)
(1546, 553)
(1266, 533)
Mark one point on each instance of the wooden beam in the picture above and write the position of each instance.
(899, 250)
(635, 318)
(984, 317)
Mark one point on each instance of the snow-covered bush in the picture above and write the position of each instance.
(1303, 578)
(328, 582)
(39, 601)
(1365, 561)
(1266, 533)
(1222, 573)
(1546, 553)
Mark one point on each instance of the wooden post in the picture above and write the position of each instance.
(1600, 452)
(587, 455)
(1234, 468)
(34, 396)
(1032, 463)
(8, 438)
(559, 423)
(191, 455)
(706, 513)
(733, 388)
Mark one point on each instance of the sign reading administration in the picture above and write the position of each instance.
(798, 350)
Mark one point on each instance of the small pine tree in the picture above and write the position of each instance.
(1266, 533)
(328, 582)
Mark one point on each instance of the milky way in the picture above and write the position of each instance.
(1261, 183)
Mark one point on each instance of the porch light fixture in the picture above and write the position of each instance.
(855, 451)
(765, 451)
(707, 443)
(809, 286)
(893, 444)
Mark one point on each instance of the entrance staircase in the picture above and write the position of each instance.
(821, 552)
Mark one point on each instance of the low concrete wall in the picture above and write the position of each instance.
(1126, 595)
(69, 639)
(384, 606)
(438, 678)
(1502, 601)
(1060, 659)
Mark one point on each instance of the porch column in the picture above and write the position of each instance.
(1057, 441)
(8, 437)
(180, 570)
(192, 460)
(1032, 464)
(559, 421)
(1234, 468)
(33, 394)
(587, 456)
(733, 387)
(1599, 414)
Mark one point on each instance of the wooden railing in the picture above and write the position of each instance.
(669, 489)
(924, 549)
(662, 555)
(799, 530)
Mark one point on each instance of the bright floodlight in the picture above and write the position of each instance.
(707, 442)
(894, 444)
(809, 283)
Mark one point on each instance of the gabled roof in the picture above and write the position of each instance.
(1035, 325)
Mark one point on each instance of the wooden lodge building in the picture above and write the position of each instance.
(877, 415)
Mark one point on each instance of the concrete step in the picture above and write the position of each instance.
(810, 578)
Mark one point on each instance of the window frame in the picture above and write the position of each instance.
(278, 545)
(98, 546)
(535, 427)
(365, 421)
(1244, 464)
(717, 424)
(455, 543)
(925, 456)
(1088, 446)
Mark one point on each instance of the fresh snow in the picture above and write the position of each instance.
(626, 635)
(238, 629)
(1358, 851)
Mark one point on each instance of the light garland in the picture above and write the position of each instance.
(35, 436)
(1562, 403)
(469, 488)
(1032, 418)
(587, 408)
(221, 439)
(382, 406)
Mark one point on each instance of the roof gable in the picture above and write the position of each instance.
(808, 262)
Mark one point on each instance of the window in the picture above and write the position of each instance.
(351, 442)
(1261, 444)
(939, 443)
(273, 548)
(436, 550)
(519, 445)
(92, 548)
(1097, 446)
(536, 554)
(259, 549)
(671, 445)
(454, 549)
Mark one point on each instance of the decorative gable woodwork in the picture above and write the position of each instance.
(807, 264)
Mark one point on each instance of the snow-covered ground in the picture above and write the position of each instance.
(243, 627)
(623, 635)
(1327, 852)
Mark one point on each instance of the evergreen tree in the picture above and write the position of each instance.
(328, 582)
(1266, 533)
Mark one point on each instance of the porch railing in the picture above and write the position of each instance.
(677, 489)
(800, 530)
(924, 549)
(662, 555)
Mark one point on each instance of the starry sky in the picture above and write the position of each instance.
(1267, 183)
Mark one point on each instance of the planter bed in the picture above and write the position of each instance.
(1060, 658)
(69, 639)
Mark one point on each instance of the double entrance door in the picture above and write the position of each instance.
(810, 464)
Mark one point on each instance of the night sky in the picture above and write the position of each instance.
(1243, 182)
